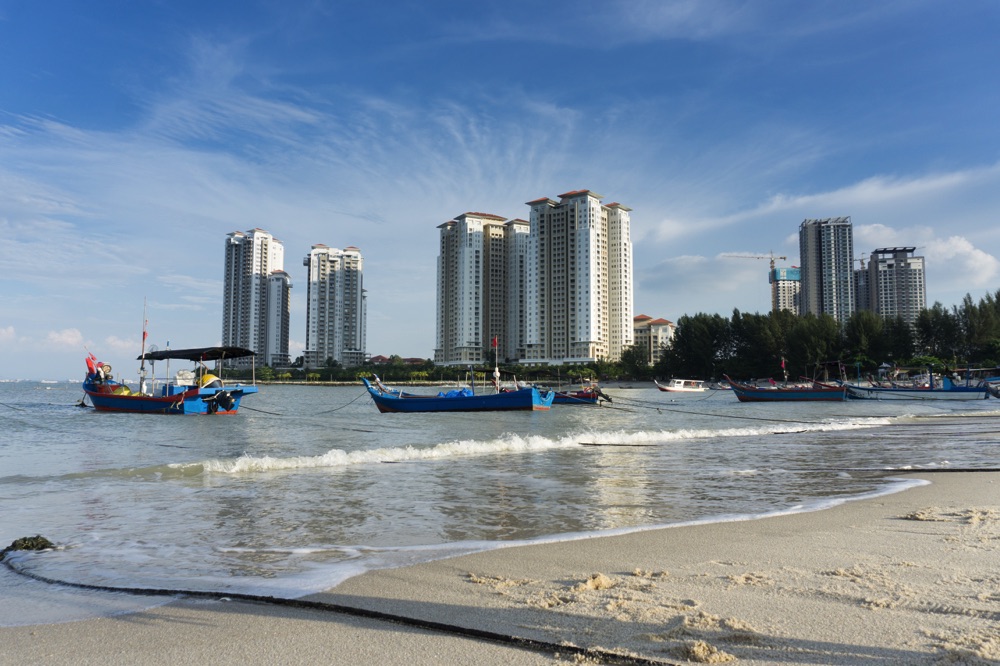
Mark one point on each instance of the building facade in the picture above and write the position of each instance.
(481, 264)
(579, 280)
(653, 335)
(256, 297)
(336, 307)
(279, 286)
(896, 283)
(786, 287)
(826, 251)
(511, 342)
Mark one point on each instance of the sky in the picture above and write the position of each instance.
(136, 134)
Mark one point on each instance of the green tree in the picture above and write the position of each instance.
(698, 344)
(899, 340)
(938, 332)
(864, 339)
(635, 362)
(813, 343)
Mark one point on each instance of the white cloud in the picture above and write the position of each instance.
(122, 345)
(7, 334)
(967, 265)
(66, 338)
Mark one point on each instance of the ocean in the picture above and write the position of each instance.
(310, 485)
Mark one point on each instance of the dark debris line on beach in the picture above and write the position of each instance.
(38, 543)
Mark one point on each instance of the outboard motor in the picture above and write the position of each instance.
(225, 400)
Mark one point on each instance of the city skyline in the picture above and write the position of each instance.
(133, 140)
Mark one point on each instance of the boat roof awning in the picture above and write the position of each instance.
(198, 354)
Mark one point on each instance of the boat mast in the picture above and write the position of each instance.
(142, 355)
(496, 365)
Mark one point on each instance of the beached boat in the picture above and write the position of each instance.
(682, 386)
(945, 390)
(458, 400)
(189, 392)
(815, 392)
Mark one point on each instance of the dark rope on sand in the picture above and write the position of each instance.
(604, 656)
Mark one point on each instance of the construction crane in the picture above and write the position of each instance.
(770, 255)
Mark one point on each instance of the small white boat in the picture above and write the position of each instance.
(682, 386)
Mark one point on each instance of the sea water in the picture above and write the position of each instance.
(309, 485)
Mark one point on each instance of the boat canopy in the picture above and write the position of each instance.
(198, 354)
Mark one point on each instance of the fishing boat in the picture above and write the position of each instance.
(682, 386)
(197, 391)
(814, 392)
(945, 389)
(389, 400)
(585, 395)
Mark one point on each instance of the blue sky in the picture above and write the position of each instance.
(135, 135)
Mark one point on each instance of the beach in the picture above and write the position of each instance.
(908, 577)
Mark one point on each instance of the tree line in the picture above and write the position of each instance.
(755, 345)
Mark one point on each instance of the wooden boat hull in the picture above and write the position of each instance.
(192, 401)
(575, 398)
(816, 393)
(953, 393)
(526, 399)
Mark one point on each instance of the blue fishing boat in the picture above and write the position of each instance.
(460, 400)
(816, 392)
(188, 392)
(946, 390)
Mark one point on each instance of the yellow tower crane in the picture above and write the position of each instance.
(770, 255)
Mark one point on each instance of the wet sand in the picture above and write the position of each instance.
(912, 577)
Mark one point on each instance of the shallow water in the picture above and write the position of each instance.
(310, 485)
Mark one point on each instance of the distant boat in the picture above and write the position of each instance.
(682, 386)
(389, 400)
(947, 390)
(817, 392)
(189, 392)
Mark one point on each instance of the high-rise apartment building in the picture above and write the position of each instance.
(826, 251)
(579, 288)
(336, 317)
(862, 288)
(786, 286)
(256, 297)
(896, 283)
(516, 247)
(279, 287)
(481, 264)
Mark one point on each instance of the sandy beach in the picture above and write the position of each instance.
(912, 577)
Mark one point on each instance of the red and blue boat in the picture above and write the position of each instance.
(389, 400)
(585, 395)
(190, 392)
(815, 392)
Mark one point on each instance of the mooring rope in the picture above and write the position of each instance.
(603, 655)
